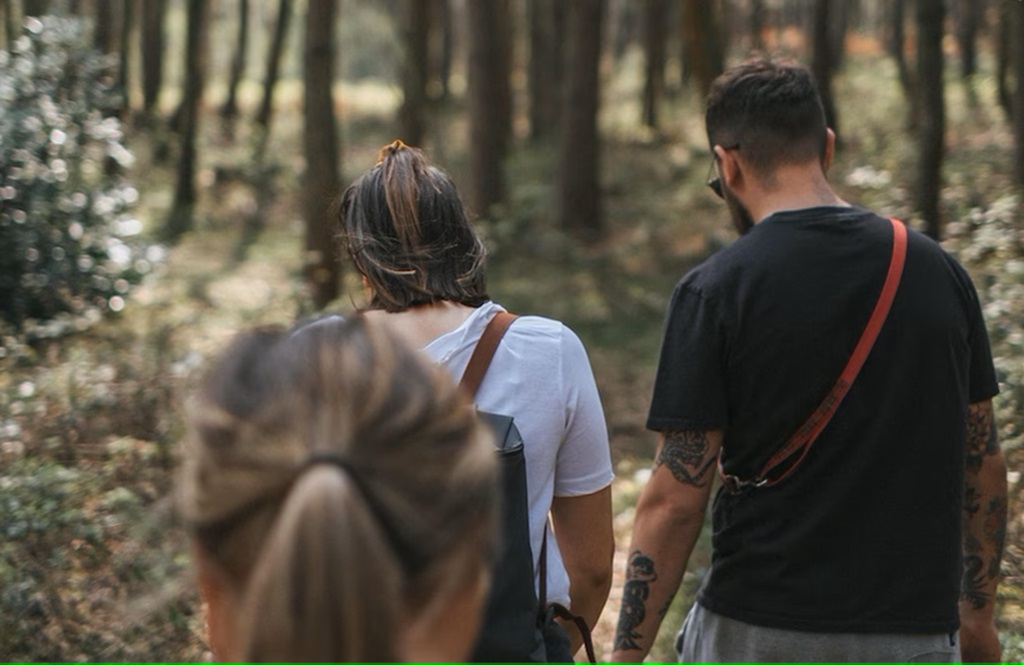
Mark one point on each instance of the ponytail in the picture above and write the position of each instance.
(326, 585)
(401, 166)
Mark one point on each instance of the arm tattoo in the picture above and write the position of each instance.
(972, 587)
(982, 437)
(995, 532)
(686, 456)
(984, 516)
(639, 574)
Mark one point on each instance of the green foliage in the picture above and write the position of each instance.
(990, 243)
(64, 222)
(80, 556)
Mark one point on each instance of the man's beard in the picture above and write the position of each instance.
(742, 220)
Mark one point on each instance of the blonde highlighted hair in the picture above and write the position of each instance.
(341, 482)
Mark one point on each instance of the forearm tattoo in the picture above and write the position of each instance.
(639, 574)
(984, 534)
(686, 456)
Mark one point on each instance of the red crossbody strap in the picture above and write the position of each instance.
(801, 440)
(484, 351)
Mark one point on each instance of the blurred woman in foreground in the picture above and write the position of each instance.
(341, 500)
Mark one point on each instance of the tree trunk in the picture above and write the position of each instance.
(489, 101)
(180, 219)
(1018, 95)
(702, 43)
(151, 38)
(229, 109)
(284, 11)
(416, 16)
(105, 32)
(544, 69)
(968, 13)
(625, 26)
(12, 22)
(320, 141)
(444, 42)
(579, 190)
(821, 63)
(839, 23)
(757, 24)
(124, 71)
(930, 16)
(897, 39)
(35, 7)
(1004, 54)
(655, 24)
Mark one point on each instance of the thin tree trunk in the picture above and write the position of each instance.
(757, 24)
(655, 24)
(320, 141)
(35, 7)
(124, 71)
(151, 38)
(930, 17)
(579, 201)
(897, 39)
(284, 11)
(1018, 95)
(446, 45)
(702, 42)
(821, 63)
(105, 31)
(230, 107)
(12, 22)
(544, 67)
(489, 101)
(626, 24)
(180, 219)
(416, 16)
(838, 26)
(967, 15)
(1004, 49)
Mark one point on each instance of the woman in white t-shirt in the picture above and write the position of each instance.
(406, 230)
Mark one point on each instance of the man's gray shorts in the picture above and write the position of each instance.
(707, 637)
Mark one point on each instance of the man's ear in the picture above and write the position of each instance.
(730, 170)
(830, 147)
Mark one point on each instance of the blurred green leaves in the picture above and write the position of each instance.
(69, 243)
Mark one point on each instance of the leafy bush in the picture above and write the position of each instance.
(91, 569)
(64, 202)
(990, 243)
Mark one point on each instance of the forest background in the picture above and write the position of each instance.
(166, 172)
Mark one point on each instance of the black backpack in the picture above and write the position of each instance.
(517, 626)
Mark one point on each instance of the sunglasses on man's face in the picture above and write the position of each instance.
(714, 182)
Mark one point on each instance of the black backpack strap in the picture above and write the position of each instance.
(484, 351)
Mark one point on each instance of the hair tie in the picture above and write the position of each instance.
(413, 560)
(390, 149)
(331, 458)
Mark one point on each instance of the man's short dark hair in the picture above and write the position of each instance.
(771, 109)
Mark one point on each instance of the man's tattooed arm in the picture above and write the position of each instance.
(984, 508)
(685, 454)
(984, 533)
(669, 515)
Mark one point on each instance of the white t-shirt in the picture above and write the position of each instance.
(540, 375)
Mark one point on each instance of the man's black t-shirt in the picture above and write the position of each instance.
(865, 535)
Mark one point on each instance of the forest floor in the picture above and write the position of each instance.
(95, 420)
